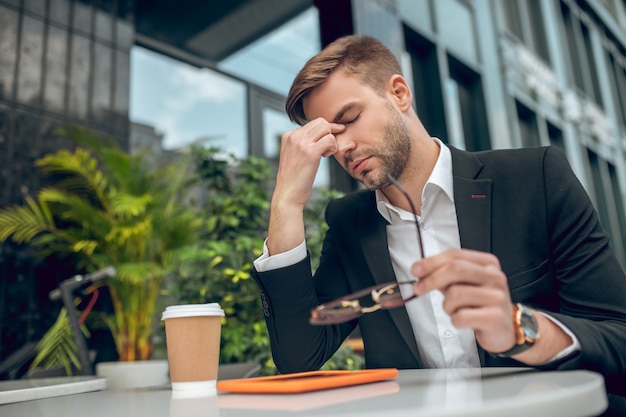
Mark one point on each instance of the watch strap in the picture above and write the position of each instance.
(523, 343)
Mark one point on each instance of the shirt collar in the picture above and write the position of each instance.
(440, 177)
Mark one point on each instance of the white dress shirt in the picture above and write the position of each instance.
(440, 344)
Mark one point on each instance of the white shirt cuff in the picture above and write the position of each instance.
(575, 346)
(265, 262)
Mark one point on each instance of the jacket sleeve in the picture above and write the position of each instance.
(591, 283)
(288, 295)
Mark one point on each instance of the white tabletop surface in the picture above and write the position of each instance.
(424, 393)
(37, 388)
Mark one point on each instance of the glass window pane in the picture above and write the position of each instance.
(415, 13)
(275, 123)
(79, 76)
(595, 163)
(122, 83)
(31, 53)
(187, 104)
(619, 205)
(125, 34)
(538, 31)
(37, 7)
(510, 10)
(82, 18)
(56, 64)
(101, 99)
(529, 131)
(104, 26)
(60, 11)
(8, 53)
(274, 60)
(455, 22)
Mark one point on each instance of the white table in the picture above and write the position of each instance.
(424, 393)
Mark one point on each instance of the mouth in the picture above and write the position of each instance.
(359, 165)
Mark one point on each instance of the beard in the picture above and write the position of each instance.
(393, 153)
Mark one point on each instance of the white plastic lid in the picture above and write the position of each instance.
(191, 310)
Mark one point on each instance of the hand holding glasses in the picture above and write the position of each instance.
(368, 300)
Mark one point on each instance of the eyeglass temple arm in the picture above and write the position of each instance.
(408, 197)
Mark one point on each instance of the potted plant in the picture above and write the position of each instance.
(107, 207)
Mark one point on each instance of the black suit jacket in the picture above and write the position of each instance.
(525, 206)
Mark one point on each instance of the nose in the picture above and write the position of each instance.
(345, 144)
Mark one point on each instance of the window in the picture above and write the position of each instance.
(8, 55)
(455, 23)
(619, 206)
(594, 88)
(471, 102)
(187, 104)
(617, 76)
(537, 29)
(555, 135)
(600, 194)
(570, 34)
(609, 202)
(416, 14)
(273, 61)
(528, 128)
(238, 106)
(584, 74)
(427, 84)
(524, 20)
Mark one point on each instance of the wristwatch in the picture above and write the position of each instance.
(526, 330)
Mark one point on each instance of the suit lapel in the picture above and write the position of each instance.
(373, 233)
(472, 199)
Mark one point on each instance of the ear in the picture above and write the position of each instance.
(400, 92)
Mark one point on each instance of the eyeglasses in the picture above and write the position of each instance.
(368, 300)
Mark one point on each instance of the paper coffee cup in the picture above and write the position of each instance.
(192, 333)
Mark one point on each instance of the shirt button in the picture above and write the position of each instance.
(447, 333)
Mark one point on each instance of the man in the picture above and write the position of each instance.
(500, 228)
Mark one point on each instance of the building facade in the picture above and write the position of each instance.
(485, 73)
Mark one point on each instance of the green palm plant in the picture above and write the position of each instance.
(107, 207)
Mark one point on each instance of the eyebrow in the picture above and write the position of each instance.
(342, 111)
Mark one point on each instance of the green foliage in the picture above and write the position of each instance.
(235, 214)
(345, 358)
(57, 347)
(107, 207)
(187, 234)
(234, 210)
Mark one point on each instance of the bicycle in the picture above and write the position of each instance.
(66, 293)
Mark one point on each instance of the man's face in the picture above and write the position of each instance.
(376, 140)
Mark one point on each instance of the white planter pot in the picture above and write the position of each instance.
(136, 374)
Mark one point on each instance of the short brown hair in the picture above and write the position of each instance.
(365, 57)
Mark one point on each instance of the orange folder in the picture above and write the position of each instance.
(304, 381)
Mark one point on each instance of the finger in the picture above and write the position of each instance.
(479, 319)
(336, 128)
(461, 297)
(424, 266)
(327, 141)
(492, 326)
(458, 267)
(320, 128)
(328, 145)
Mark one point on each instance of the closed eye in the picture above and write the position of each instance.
(352, 120)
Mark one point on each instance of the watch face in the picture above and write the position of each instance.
(529, 324)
